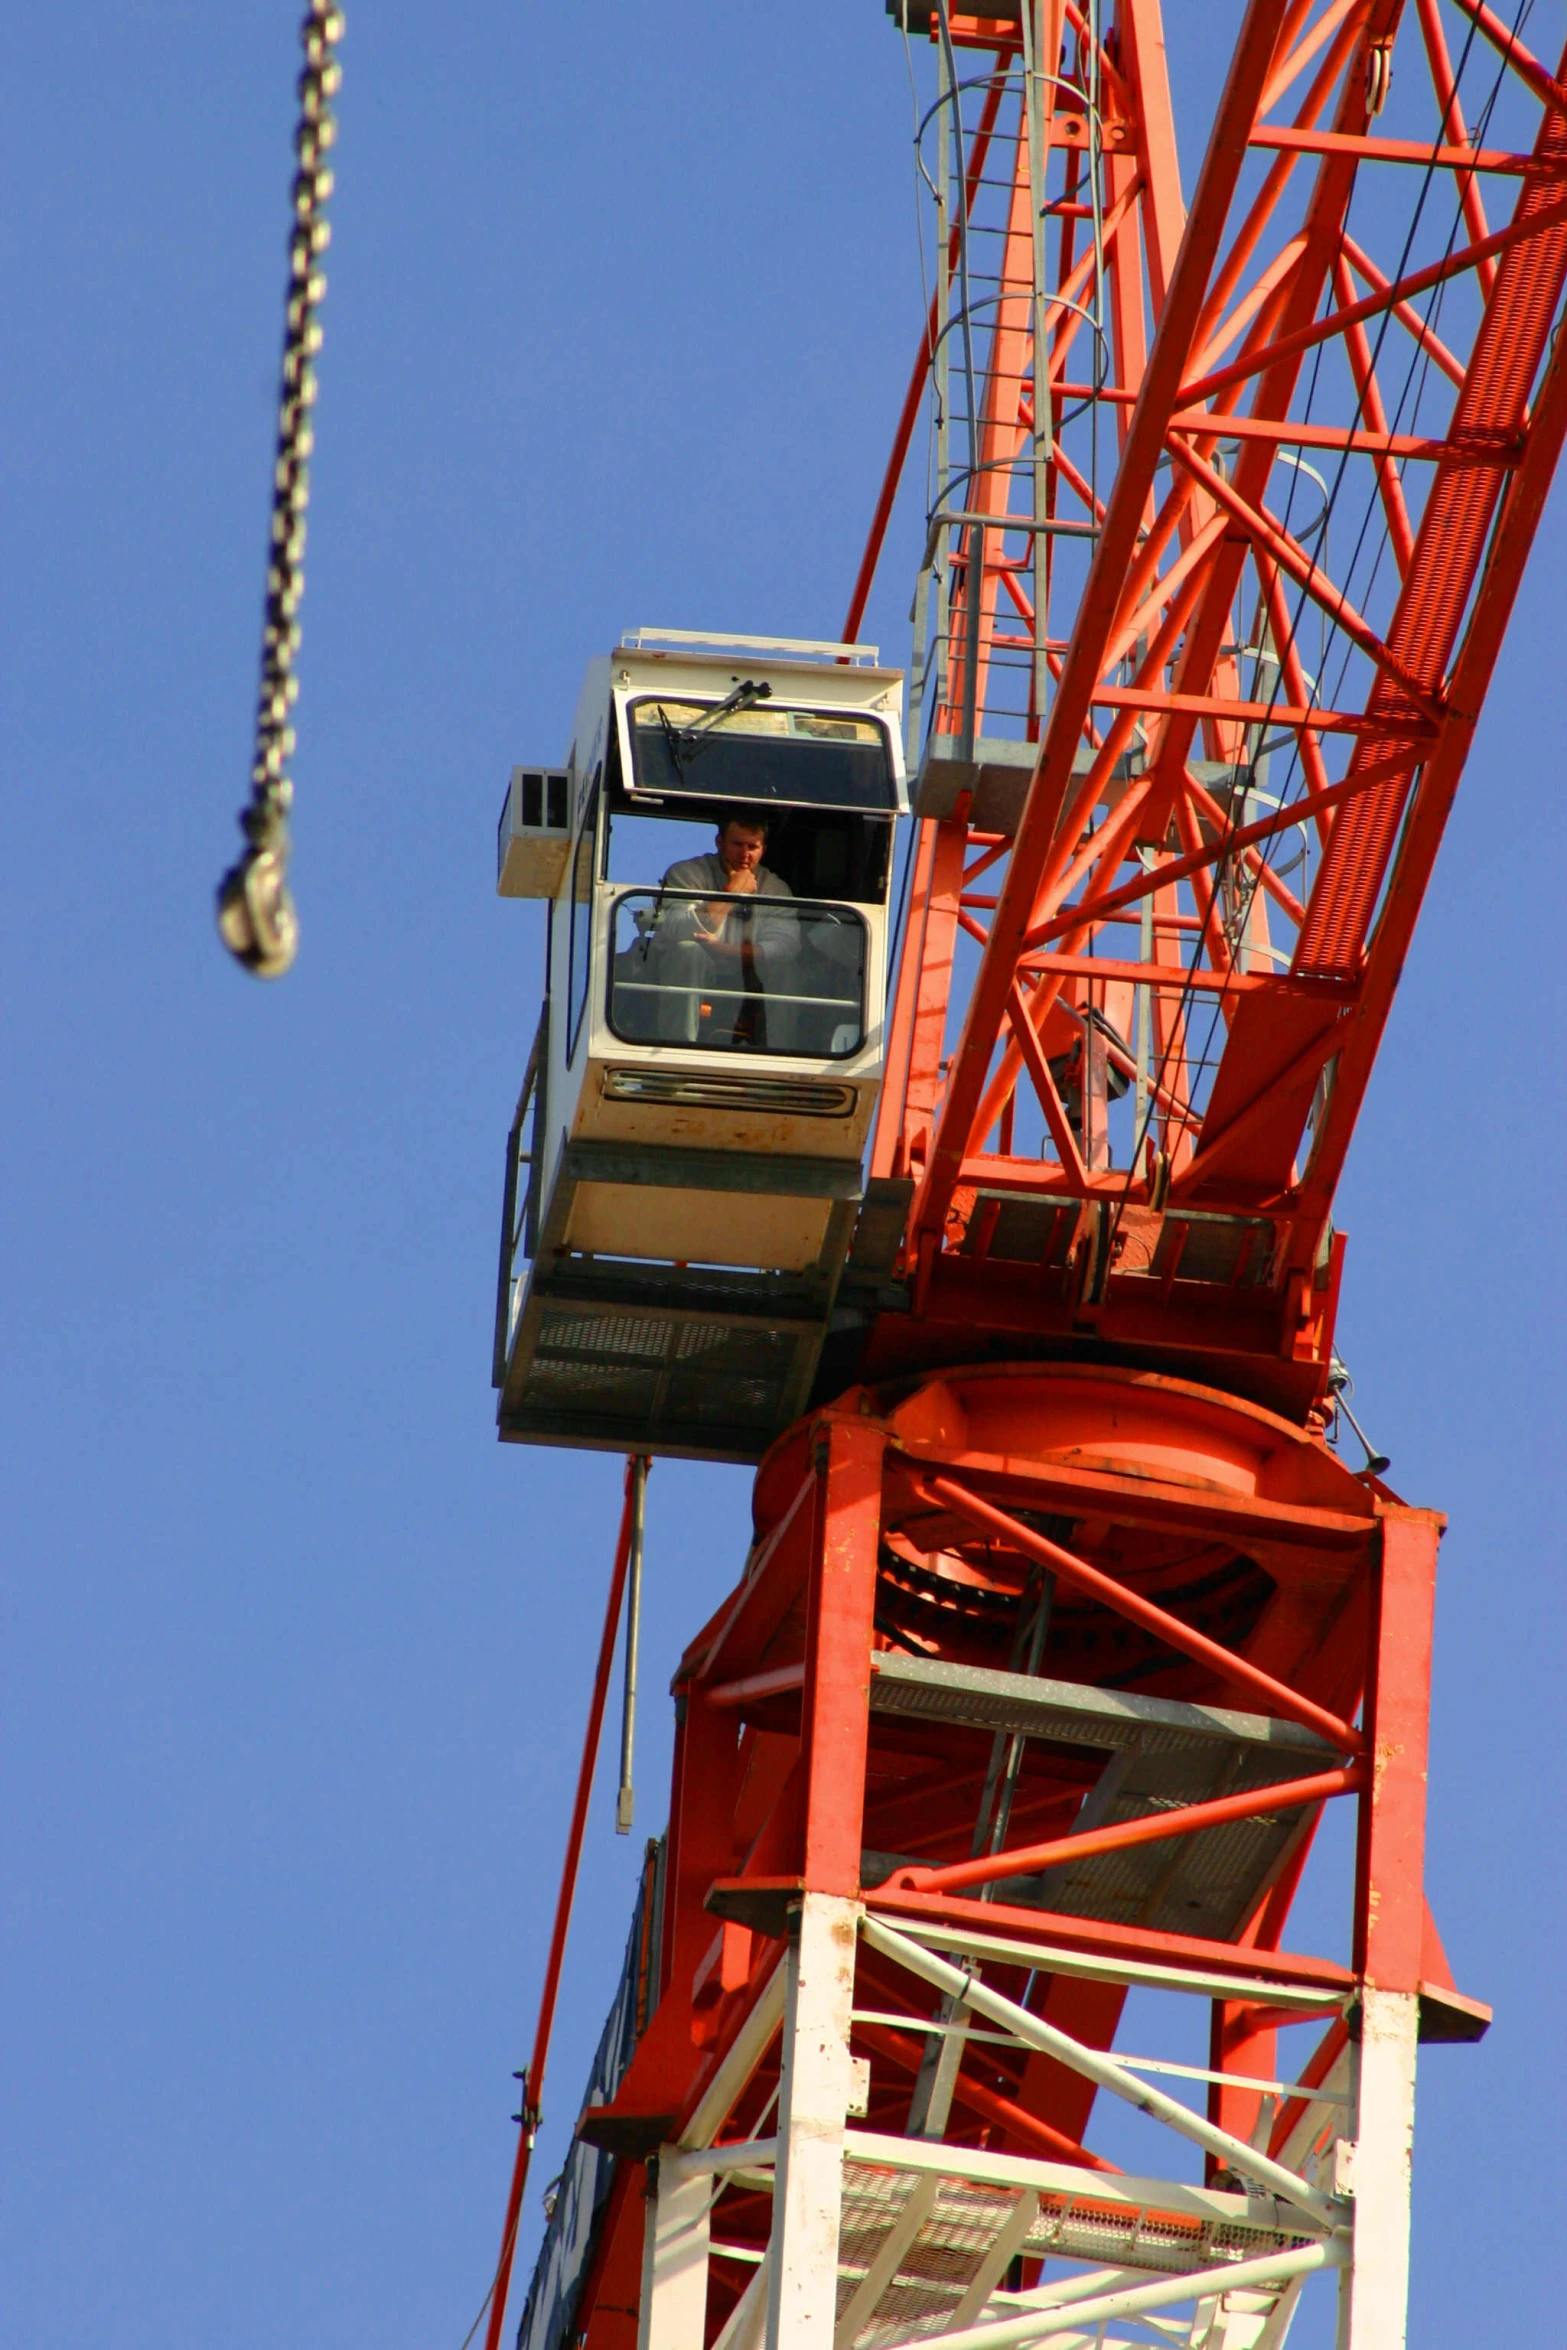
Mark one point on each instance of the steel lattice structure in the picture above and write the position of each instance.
(1064, 1619)
(1256, 709)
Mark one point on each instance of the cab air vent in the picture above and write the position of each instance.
(794, 1097)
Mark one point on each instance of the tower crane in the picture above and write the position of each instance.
(977, 1184)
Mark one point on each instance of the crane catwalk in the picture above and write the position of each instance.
(1067, 1612)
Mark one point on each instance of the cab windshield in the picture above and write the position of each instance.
(777, 964)
(761, 756)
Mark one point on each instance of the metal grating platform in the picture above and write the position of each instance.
(953, 2226)
(672, 1381)
(1075, 1714)
(1162, 1755)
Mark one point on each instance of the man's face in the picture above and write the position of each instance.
(740, 847)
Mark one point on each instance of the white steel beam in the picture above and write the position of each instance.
(1374, 2291)
(750, 2045)
(673, 2311)
(1107, 2074)
(1063, 2291)
(813, 2104)
(986, 2169)
(1277, 2324)
(917, 2208)
(1317, 2124)
(998, 2260)
(743, 2327)
(1041, 2324)
(1204, 1983)
(705, 2162)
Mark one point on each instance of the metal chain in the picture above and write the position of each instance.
(256, 917)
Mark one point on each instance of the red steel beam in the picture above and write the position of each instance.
(1419, 281)
(1374, 150)
(1157, 1620)
(1516, 268)
(533, 2081)
(1313, 715)
(1506, 557)
(778, 1683)
(1507, 44)
(1192, 1818)
(835, 1704)
(1158, 877)
(1099, 1938)
(1450, 545)
(1113, 557)
(909, 414)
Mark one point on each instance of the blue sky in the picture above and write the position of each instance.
(293, 1656)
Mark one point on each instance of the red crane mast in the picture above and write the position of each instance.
(1065, 1614)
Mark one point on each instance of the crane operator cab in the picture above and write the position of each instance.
(683, 1173)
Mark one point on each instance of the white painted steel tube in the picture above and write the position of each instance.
(743, 2330)
(1038, 2325)
(749, 2046)
(1104, 2070)
(628, 1709)
(1068, 2290)
(1257, 1990)
(699, 2161)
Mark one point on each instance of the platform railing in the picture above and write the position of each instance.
(519, 1214)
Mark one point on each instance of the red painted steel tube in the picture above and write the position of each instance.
(1190, 1820)
(1142, 1611)
(1048, 796)
(889, 488)
(1323, 330)
(1506, 43)
(1245, 836)
(777, 1683)
(1372, 150)
(915, 393)
(533, 2084)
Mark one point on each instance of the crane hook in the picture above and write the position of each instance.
(256, 917)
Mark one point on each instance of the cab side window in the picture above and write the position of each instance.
(580, 915)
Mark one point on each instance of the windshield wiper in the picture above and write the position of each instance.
(689, 742)
(672, 743)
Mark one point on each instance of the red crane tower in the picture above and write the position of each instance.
(1066, 1615)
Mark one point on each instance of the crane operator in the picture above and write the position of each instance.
(713, 945)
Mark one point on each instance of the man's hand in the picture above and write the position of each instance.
(739, 882)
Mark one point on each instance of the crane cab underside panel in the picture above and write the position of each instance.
(666, 1354)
